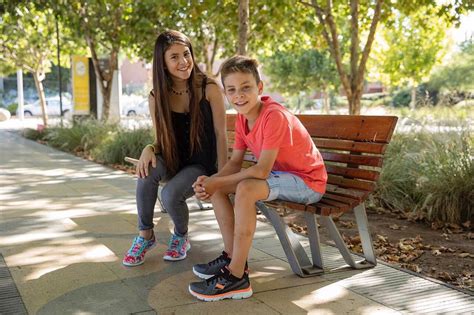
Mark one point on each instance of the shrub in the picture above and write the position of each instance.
(12, 108)
(425, 95)
(83, 136)
(34, 134)
(402, 98)
(122, 143)
(431, 173)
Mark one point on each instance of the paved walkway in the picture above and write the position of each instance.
(66, 222)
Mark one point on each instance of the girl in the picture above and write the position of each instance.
(188, 115)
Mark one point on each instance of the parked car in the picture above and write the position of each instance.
(52, 106)
(134, 109)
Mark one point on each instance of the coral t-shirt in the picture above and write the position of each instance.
(278, 128)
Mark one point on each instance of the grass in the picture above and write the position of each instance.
(431, 173)
(121, 143)
(440, 115)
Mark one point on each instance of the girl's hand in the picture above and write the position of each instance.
(147, 157)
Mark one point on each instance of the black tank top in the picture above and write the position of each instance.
(206, 156)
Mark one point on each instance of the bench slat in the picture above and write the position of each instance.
(350, 193)
(349, 145)
(313, 208)
(352, 172)
(350, 183)
(339, 205)
(351, 127)
(344, 199)
(367, 160)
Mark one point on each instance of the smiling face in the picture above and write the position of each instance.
(242, 91)
(179, 62)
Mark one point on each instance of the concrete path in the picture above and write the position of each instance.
(65, 224)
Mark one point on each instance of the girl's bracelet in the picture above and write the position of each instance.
(151, 146)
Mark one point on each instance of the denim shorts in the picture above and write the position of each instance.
(289, 187)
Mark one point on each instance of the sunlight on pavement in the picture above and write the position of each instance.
(46, 259)
(324, 295)
(207, 236)
(42, 234)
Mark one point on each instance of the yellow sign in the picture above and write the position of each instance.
(80, 84)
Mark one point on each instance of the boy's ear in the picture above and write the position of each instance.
(260, 87)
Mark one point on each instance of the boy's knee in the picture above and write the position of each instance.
(245, 189)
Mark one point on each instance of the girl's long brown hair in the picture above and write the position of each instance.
(162, 83)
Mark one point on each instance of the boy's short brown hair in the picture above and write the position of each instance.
(240, 63)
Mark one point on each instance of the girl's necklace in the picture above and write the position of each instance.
(179, 92)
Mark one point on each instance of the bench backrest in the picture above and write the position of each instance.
(352, 148)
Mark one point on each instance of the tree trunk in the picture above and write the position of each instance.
(38, 77)
(352, 83)
(104, 76)
(243, 26)
(326, 101)
(354, 106)
(413, 97)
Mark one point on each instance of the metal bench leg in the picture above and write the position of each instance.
(299, 261)
(362, 224)
(160, 188)
(314, 242)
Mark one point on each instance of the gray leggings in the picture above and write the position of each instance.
(173, 196)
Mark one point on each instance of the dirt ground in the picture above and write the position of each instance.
(441, 251)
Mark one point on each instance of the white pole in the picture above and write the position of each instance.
(19, 80)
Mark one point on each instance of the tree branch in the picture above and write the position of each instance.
(354, 43)
(326, 19)
(370, 39)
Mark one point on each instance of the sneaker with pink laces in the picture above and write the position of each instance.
(178, 246)
(136, 254)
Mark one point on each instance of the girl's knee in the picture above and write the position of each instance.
(172, 196)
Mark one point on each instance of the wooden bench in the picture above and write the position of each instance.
(353, 148)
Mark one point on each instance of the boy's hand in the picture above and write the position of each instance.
(210, 185)
(199, 190)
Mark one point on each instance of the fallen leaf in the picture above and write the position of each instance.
(405, 247)
(346, 224)
(445, 276)
(467, 224)
(395, 227)
(436, 252)
(412, 267)
(463, 255)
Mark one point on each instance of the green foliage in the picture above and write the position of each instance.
(414, 44)
(12, 108)
(122, 143)
(458, 74)
(432, 173)
(106, 143)
(305, 71)
(425, 95)
(83, 136)
(34, 134)
(437, 115)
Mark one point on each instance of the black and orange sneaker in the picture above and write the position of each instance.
(206, 271)
(222, 286)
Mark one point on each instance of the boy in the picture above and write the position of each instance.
(289, 167)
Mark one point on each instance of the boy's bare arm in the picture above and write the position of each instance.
(233, 165)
